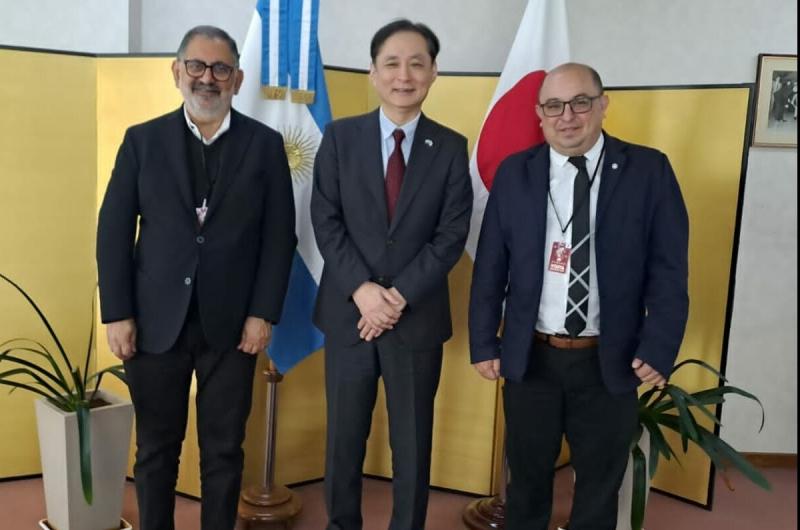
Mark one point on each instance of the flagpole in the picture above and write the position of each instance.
(269, 506)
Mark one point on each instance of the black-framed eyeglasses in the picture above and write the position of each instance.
(219, 71)
(579, 105)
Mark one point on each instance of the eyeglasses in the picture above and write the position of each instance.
(219, 71)
(579, 105)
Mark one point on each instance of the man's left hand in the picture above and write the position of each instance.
(647, 373)
(256, 335)
(367, 331)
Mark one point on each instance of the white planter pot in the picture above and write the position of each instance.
(58, 448)
(626, 489)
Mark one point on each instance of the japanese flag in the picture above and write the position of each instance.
(511, 123)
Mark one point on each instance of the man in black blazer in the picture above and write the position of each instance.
(198, 290)
(585, 241)
(389, 235)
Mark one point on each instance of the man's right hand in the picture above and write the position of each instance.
(377, 305)
(489, 369)
(122, 338)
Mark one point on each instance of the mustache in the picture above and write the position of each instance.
(199, 86)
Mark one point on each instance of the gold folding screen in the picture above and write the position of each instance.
(68, 115)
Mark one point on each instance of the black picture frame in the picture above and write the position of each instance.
(775, 113)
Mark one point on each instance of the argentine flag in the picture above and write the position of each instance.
(284, 87)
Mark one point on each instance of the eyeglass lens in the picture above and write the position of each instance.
(578, 105)
(219, 71)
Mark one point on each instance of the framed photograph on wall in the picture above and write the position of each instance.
(775, 120)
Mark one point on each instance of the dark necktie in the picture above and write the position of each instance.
(578, 294)
(395, 169)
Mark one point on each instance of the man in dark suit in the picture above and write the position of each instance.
(389, 236)
(201, 286)
(585, 241)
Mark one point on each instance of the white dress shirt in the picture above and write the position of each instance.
(387, 140)
(223, 128)
(555, 285)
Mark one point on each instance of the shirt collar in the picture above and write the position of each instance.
(557, 159)
(388, 126)
(223, 128)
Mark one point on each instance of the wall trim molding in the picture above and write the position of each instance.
(784, 460)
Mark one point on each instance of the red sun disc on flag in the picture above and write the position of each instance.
(511, 126)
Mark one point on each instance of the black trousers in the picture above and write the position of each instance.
(351, 382)
(563, 394)
(159, 386)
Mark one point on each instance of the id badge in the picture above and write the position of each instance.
(559, 257)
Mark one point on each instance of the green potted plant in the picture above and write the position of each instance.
(675, 409)
(72, 413)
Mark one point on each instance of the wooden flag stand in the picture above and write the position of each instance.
(269, 506)
(488, 513)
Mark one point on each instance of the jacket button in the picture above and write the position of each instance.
(187, 281)
(390, 242)
(200, 240)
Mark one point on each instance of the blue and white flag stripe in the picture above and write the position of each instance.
(303, 44)
(290, 47)
(274, 16)
(301, 126)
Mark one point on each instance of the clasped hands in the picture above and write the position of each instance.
(380, 309)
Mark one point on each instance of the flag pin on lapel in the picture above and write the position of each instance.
(428, 142)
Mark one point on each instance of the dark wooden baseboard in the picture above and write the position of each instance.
(785, 460)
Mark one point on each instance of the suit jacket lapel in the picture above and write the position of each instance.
(238, 140)
(614, 163)
(423, 151)
(178, 158)
(372, 171)
(538, 167)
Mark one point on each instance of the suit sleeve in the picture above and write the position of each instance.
(666, 289)
(342, 259)
(437, 257)
(489, 281)
(116, 233)
(278, 239)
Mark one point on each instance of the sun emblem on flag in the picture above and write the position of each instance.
(300, 149)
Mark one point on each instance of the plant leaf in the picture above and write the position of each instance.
(6, 356)
(730, 389)
(89, 346)
(685, 416)
(658, 443)
(42, 318)
(85, 446)
(44, 352)
(51, 392)
(117, 370)
(29, 388)
(80, 390)
(639, 489)
(697, 404)
(726, 454)
(702, 364)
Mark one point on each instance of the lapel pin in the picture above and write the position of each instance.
(428, 142)
(614, 165)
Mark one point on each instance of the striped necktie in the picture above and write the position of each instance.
(578, 293)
